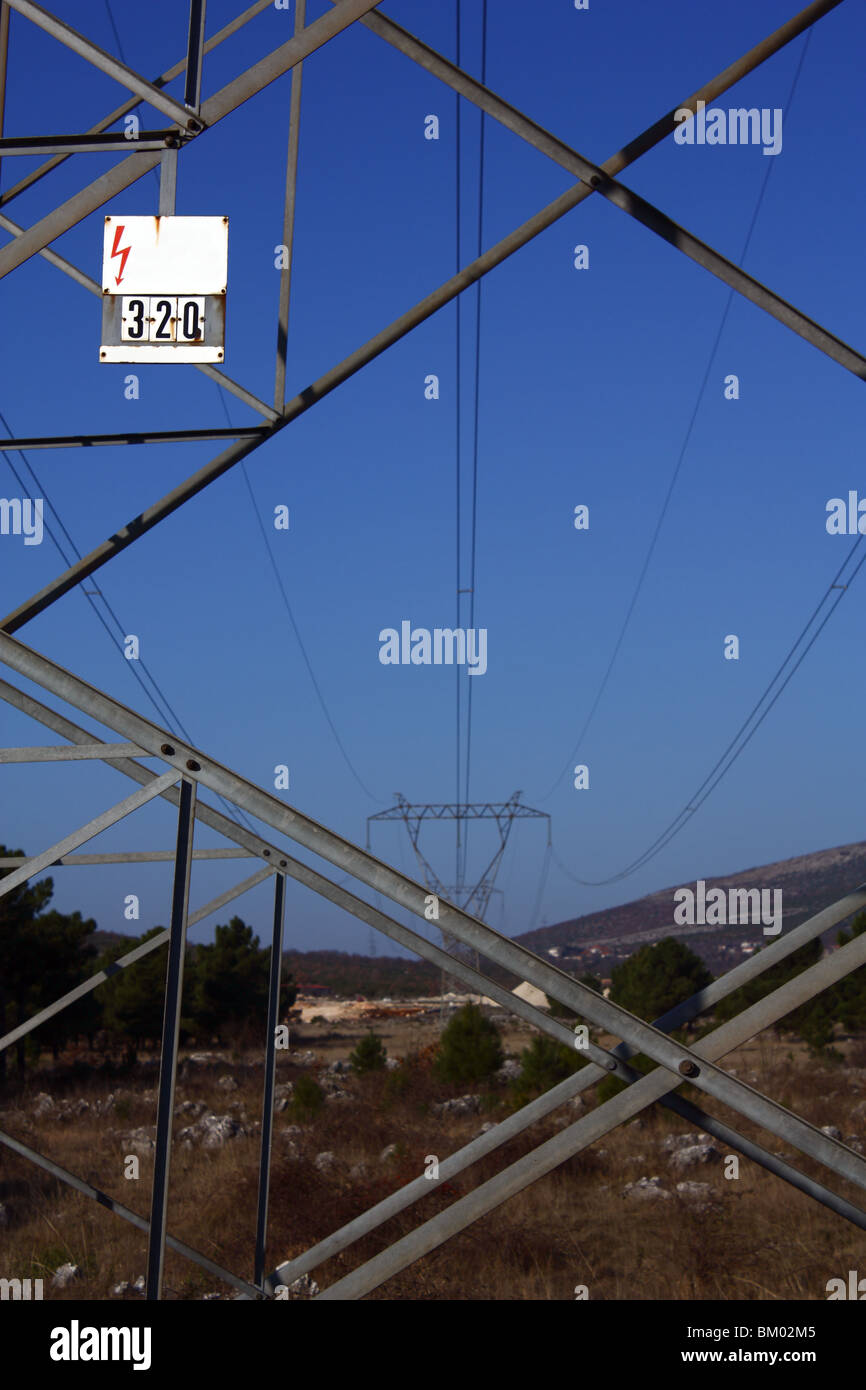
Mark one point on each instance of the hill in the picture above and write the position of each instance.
(808, 882)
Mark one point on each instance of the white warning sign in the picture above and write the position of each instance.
(164, 289)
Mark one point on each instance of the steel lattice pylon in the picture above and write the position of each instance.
(187, 771)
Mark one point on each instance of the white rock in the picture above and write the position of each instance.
(646, 1189)
(43, 1104)
(305, 1287)
(227, 1083)
(211, 1131)
(461, 1105)
(138, 1141)
(831, 1131)
(216, 1129)
(65, 1275)
(695, 1155)
(324, 1162)
(387, 1152)
(510, 1070)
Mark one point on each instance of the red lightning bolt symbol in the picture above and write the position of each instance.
(122, 251)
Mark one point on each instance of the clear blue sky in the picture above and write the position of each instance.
(588, 381)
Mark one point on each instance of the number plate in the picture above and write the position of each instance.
(162, 319)
(163, 328)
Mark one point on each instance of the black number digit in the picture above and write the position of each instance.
(163, 331)
(191, 320)
(136, 329)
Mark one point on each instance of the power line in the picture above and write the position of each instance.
(474, 523)
(680, 458)
(722, 766)
(288, 607)
(116, 32)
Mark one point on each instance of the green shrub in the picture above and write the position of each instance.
(369, 1055)
(470, 1048)
(307, 1099)
(545, 1063)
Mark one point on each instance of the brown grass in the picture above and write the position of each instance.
(763, 1240)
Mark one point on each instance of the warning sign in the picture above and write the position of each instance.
(164, 289)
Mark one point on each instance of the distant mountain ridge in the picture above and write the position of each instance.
(809, 882)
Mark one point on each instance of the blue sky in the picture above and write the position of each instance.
(587, 383)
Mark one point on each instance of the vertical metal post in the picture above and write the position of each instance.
(4, 49)
(167, 183)
(194, 53)
(289, 218)
(270, 1069)
(170, 1030)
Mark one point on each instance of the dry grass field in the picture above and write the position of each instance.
(754, 1237)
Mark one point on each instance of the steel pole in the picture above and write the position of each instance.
(289, 217)
(4, 54)
(270, 1070)
(194, 53)
(170, 1033)
(167, 183)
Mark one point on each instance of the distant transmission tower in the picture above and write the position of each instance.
(473, 898)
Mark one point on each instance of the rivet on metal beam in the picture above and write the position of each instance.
(167, 749)
(689, 1068)
(193, 765)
